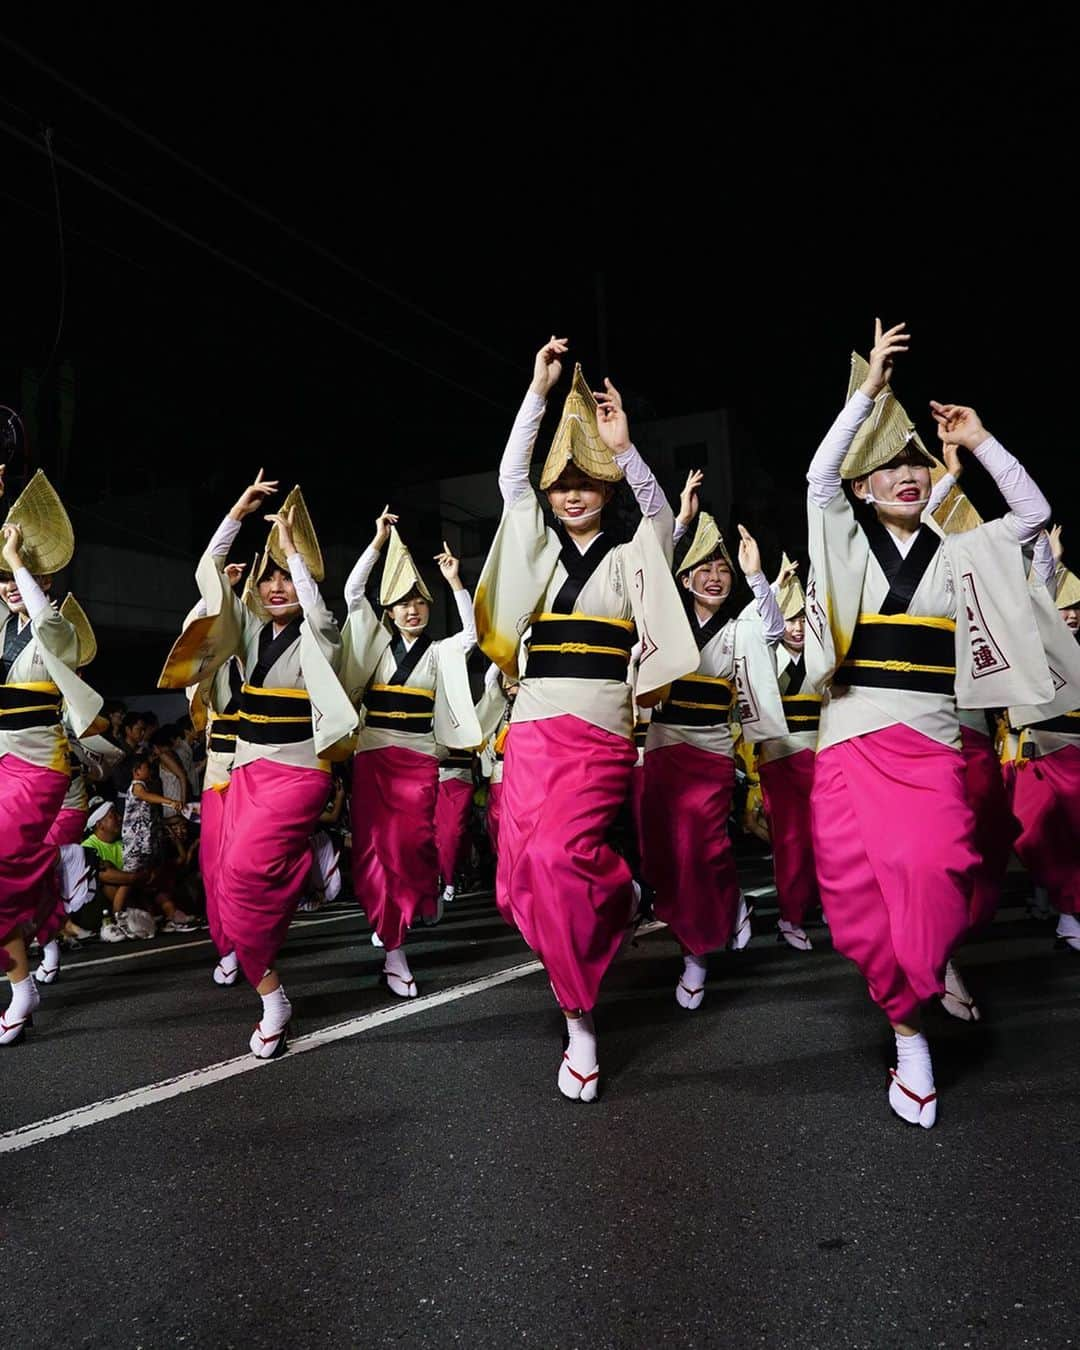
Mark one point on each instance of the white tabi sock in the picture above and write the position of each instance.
(579, 1072)
(268, 1037)
(956, 1000)
(1069, 930)
(448, 895)
(24, 999)
(227, 969)
(911, 1092)
(691, 987)
(50, 963)
(399, 978)
(794, 936)
(740, 938)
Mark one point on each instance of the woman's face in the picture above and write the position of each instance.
(278, 594)
(12, 596)
(410, 616)
(795, 633)
(709, 583)
(577, 500)
(1071, 615)
(900, 490)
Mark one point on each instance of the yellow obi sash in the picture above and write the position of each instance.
(802, 712)
(696, 701)
(222, 733)
(901, 651)
(579, 647)
(25, 707)
(399, 707)
(273, 716)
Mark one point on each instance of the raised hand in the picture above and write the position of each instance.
(12, 539)
(234, 571)
(385, 519)
(450, 567)
(284, 522)
(787, 573)
(749, 553)
(951, 456)
(887, 346)
(548, 365)
(688, 497)
(254, 497)
(1056, 546)
(958, 425)
(611, 419)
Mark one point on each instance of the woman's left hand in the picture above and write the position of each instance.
(284, 522)
(958, 425)
(611, 419)
(12, 540)
(749, 553)
(450, 567)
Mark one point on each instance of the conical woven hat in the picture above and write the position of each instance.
(577, 439)
(399, 574)
(1068, 589)
(955, 513)
(885, 432)
(708, 543)
(304, 537)
(790, 595)
(76, 616)
(48, 540)
(249, 596)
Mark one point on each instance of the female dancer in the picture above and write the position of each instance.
(689, 753)
(293, 720)
(415, 695)
(892, 828)
(570, 751)
(38, 655)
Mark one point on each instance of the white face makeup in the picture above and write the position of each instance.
(898, 492)
(278, 595)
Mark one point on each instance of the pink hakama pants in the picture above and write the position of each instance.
(211, 820)
(558, 879)
(69, 827)
(269, 813)
(1046, 801)
(30, 903)
(894, 842)
(786, 785)
(451, 826)
(494, 810)
(686, 850)
(995, 825)
(395, 863)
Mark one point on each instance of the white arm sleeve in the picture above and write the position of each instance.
(1028, 508)
(35, 599)
(1045, 567)
(824, 472)
(647, 491)
(767, 607)
(514, 465)
(464, 603)
(359, 577)
(307, 592)
(939, 492)
(225, 537)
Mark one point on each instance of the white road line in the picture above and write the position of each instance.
(55, 1126)
(184, 946)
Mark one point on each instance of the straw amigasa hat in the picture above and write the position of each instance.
(790, 595)
(1068, 589)
(48, 540)
(400, 576)
(577, 439)
(883, 435)
(71, 610)
(304, 537)
(707, 544)
(955, 513)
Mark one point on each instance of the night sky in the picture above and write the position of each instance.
(363, 232)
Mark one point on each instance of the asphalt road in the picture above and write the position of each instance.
(419, 1181)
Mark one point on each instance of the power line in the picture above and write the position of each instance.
(249, 272)
(327, 254)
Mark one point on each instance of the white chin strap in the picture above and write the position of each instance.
(410, 632)
(585, 515)
(708, 599)
(281, 609)
(876, 501)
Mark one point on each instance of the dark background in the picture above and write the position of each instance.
(331, 245)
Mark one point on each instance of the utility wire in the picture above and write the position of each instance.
(249, 272)
(327, 254)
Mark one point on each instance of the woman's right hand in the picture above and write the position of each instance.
(688, 497)
(253, 497)
(887, 347)
(548, 365)
(382, 528)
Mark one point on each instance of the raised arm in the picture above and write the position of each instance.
(514, 465)
(767, 607)
(824, 472)
(320, 621)
(450, 567)
(614, 428)
(365, 564)
(1028, 508)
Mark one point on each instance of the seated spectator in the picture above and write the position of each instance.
(104, 840)
(181, 862)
